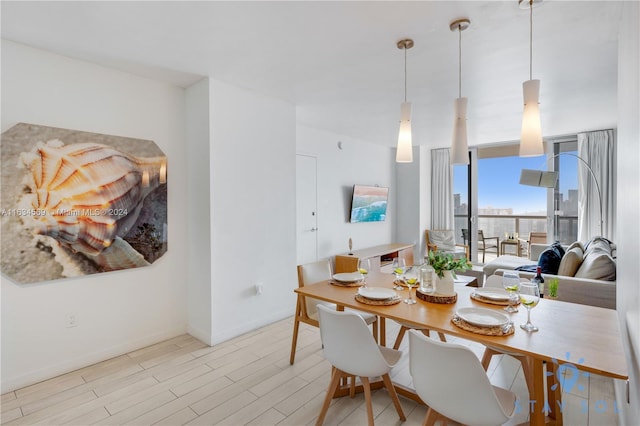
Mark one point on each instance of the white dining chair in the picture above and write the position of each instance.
(495, 281)
(450, 380)
(351, 350)
(306, 307)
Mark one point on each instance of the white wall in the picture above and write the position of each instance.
(253, 221)
(410, 204)
(357, 162)
(628, 189)
(198, 117)
(117, 311)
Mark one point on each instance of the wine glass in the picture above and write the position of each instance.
(364, 266)
(529, 297)
(411, 279)
(511, 283)
(399, 266)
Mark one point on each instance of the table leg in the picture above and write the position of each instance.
(554, 395)
(383, 331)
(536, 404)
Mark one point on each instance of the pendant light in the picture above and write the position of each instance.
(404, 150)
(459, 146)
(531, 135)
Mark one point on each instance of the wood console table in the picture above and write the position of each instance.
(379, 255)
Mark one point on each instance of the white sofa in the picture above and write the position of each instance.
(587, 274)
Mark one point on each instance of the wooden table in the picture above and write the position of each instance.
(516, 243)
(588, 334)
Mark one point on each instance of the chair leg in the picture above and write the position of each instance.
(394, 396)
(367, 398)
(352, 387)
(294, 339)
(431, 417)
(427, 333)
(335, 379)
(403, 330)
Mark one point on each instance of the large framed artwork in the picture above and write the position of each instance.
(74, 203)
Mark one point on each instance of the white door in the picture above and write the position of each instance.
(306, 209)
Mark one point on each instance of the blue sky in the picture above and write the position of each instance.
(498, 185)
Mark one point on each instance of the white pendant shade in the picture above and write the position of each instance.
(404, 151)
(459, 147)
(531, 136)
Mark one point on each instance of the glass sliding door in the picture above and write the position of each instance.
(464, 203)
(564, 201)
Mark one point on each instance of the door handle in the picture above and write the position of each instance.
(314, 229)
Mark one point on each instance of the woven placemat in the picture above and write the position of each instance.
(437, 297)
(479, 298)
(486, 331)
(384, 302)
(351, 284)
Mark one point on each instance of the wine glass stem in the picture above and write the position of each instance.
(528, 315)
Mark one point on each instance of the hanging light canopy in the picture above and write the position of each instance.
(459, 146)
(404, 150)
(531, 134)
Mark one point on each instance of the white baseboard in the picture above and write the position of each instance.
(27, 379)
(199, 334)
(224, 335)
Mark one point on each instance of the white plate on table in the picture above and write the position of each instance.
(348, 277)
(482, 317)
(490, 293)
(376, 293)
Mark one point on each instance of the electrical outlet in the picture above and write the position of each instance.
(259, 289)
(72, 320)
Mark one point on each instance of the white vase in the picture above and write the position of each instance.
(444, 285)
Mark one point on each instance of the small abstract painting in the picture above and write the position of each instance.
(369, 203)
(74, 203)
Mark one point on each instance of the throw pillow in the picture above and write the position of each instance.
(597, 245)
(570, 262)
(549, 260)
(598, 266)
(576, 244)
(444, 240)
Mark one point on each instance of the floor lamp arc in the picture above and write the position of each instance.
(548, 179)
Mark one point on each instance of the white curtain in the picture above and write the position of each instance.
(441, 190)
(598, 149)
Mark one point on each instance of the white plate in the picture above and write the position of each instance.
(376, 293)
(482, 317)
(348, 277)
(492, 293)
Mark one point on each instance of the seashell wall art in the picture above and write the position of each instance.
(74, 203)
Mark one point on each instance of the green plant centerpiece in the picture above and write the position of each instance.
(441, 262)
(553, 288)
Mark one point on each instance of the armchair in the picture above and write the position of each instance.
(485, 243)
(444, 241)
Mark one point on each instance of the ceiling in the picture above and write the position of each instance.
(339, 64)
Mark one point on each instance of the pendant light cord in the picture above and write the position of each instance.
(405, 74)
(459, 61)
(530, 39)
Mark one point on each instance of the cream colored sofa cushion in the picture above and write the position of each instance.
(571, 261)
(597, 266)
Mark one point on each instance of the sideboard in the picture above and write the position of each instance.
(380, 256)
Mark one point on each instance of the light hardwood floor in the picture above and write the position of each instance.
(248, 381)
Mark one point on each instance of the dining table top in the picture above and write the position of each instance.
(585, 336)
